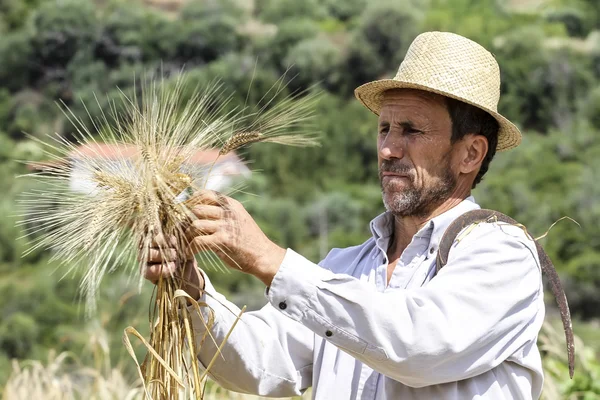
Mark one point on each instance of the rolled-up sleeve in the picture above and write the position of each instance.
(480, 309)
(266, 353)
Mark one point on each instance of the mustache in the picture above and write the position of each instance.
(395, 167)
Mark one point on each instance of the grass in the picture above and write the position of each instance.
(63, 377)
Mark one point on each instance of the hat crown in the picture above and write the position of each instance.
(453, 64)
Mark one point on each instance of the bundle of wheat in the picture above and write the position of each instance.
(134, 200)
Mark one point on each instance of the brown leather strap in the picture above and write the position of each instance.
(479, 216)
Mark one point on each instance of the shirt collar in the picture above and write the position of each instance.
(383, 225)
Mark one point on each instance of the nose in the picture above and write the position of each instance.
(391, 147)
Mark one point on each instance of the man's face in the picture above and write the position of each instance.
(414, 152)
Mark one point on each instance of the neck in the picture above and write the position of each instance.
(406, 227)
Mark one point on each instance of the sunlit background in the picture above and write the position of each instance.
(83, 52)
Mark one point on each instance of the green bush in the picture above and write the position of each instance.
(61, 29)
(390, 27)
(591, 108)
(275, 11)
(18, 334)
(345, 10)
(136, 34)
(289, 33)
(315, 61)
(18, 63)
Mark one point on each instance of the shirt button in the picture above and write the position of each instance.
(282, 305)
(329, 334)
(431, 250)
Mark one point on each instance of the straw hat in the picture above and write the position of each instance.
(452, 66)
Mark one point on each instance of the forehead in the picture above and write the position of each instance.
(412, 104)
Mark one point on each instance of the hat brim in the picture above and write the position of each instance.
(371, 96)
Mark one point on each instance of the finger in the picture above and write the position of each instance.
(205, 211)
(161, 255)
(153, 272)
(209, 197)
(159, 241)
(201, 227)
(205, 243)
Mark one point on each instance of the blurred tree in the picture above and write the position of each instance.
(390, 27)
(289, 33)
(61, 29)
(345, 10)
(16, 53)
(243, 81)
(574, 20)
(14, 13)
(581, 16)
(18, 334)
(481, 20)
(314, 61)
(331, 211)
(361, 64)
(524, 87)
(540, 86)
(207, 9)
(276, 11)
(134, 34)
(209, 30)
(591, 108)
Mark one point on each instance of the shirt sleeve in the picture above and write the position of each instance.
(266, 354)
(483, 306)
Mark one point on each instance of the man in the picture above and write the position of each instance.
(372, 321)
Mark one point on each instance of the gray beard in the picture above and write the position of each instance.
(413, 202)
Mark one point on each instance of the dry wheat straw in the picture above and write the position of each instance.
(134, 200)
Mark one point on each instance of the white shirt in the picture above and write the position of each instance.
(468, 333)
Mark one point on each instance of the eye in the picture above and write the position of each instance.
(412, 131)
(384, 130)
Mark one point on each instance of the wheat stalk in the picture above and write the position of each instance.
(133, 198)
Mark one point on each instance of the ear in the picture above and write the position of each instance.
(475, 148)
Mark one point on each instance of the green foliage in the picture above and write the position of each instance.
(591, 108)
(480, 20)
(574, 20)
(276, 11)
(390, 27)
(344, 10)
(243, 81)
(209, 30)
(16, 53)
(314, 60)
(18, 334)
(308, 199)
(551, 82)
(61, 29)
(289, 33)
(586, 381)
(14, 13)
(362, 62)
(134, 34)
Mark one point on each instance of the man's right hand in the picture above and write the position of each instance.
(164, 261)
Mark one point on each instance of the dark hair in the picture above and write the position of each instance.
(468, 119)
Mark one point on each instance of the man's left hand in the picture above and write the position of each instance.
(224, 226)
